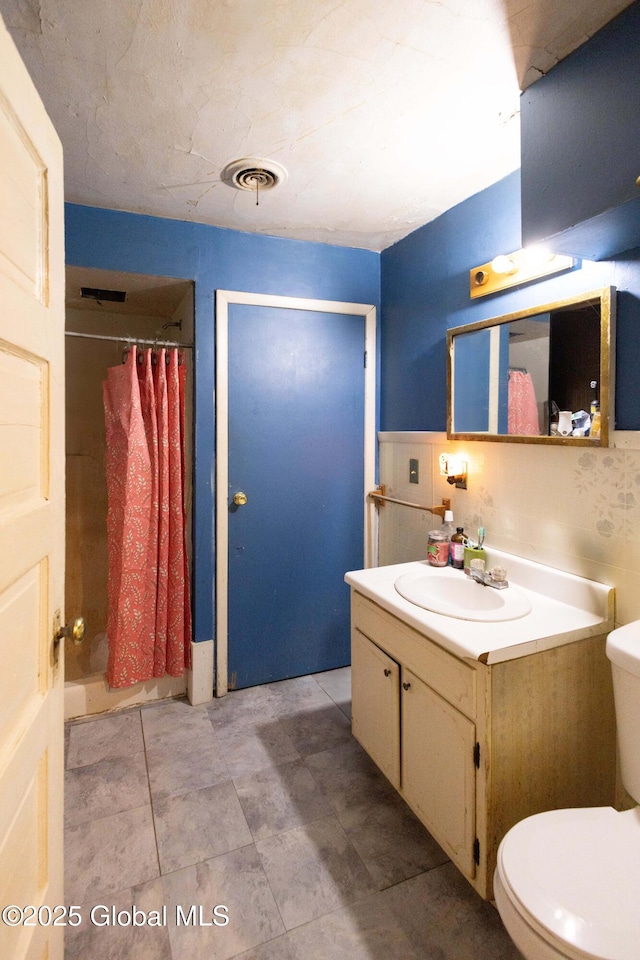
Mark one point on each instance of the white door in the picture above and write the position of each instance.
(31, 514)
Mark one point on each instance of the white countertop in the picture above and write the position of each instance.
(564, 608)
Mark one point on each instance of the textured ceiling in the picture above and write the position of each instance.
(384, 112)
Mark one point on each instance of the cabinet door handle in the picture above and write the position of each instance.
(406, 685)
(387, 672)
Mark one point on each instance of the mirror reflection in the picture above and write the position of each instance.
(541, 375)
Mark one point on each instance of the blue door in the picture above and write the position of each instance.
(296, 450)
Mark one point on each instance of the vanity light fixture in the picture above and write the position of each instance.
(511, 269)
(454, 468)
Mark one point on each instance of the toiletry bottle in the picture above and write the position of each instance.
(447, 526)
(448, 529)
(457, 549)
(594, 432)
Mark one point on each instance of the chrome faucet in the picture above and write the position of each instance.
(489, 579)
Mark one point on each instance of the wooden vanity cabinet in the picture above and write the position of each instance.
(473, 748)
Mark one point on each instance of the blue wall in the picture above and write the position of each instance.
(580, 141)
(425, 290)
(215, 259)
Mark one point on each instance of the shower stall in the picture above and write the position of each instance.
(106, 314)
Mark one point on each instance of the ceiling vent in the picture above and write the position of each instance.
(254, 174)
(94, 293)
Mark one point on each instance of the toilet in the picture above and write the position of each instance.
(567, 882)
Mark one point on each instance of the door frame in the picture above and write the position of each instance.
(224, 299)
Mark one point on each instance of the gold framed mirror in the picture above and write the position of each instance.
(541, 375)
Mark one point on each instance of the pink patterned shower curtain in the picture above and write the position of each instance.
(149, 618)
(523, 408)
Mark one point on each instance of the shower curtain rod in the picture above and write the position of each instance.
(136, 340)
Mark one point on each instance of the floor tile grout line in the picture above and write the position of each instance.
(334, 816)
(307, 923)
(83, 823)
(287, 934)
(330, 816)
(153, 815)
(275, 901)
(145, 745)
(396, 883)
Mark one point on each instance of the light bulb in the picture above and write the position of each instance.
(456, 466)
(503, 264)
(536, 257)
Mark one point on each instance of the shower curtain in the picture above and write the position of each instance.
(149, 617)
(523, 409)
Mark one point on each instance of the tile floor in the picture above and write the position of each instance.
(261, 802)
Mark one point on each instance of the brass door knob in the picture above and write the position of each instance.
(75, 631)
(239, 498)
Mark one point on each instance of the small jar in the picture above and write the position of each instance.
(438, 548)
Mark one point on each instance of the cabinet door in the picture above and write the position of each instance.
(438, 770)
(375, 705)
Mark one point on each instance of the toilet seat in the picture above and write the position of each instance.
(572, 877)
(530, 938)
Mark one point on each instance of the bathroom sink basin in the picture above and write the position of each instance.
(456, 595)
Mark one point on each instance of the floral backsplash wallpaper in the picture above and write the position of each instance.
(576, 509)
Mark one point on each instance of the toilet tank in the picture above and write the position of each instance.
(623, 650)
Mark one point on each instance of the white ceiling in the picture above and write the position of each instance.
(384, 112)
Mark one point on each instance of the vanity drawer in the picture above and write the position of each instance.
(452, 678)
